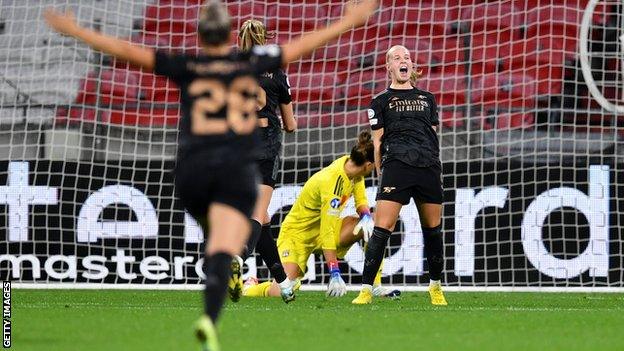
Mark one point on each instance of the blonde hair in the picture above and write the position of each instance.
(253, 32)
(416, 73)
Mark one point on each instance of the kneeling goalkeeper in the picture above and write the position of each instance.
(314, 224)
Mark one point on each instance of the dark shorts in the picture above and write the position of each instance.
(199, 183)
(269, 169)
(399, 182)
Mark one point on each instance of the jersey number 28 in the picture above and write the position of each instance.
(240, 100)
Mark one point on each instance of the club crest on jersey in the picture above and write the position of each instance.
(371, 117)
(335, 203)
(388, 189)
(371, 113)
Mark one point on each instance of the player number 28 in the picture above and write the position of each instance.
(240, 98)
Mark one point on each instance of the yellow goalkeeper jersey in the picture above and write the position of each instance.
(314, 219)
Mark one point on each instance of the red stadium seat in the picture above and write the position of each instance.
(333, 119)
(112, 86)
(501, 20)
(322, 66)
(191, 45)
(358, 42)
(504, 91)
(350, 118)
(131, 116)
(314, 120)
(168, 17)
(509, 120)
(312, 87)
(244, 10)
(144, 117)
(452, 118)
(296, 19)
(448, 89)
(426, 20)
(487, 57)
(363, 85)
(535, 58)
(562, 23)
(158, 88)
(449, 51)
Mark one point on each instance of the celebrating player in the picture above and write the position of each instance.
(404, 120)
(215, 172)
(274, 93)
(314, 223)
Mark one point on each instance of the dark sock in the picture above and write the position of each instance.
(256, 231)
(217, 269)
(374, 254)
(434, 249)
(267, 249)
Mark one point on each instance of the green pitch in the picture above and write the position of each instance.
(162, 320)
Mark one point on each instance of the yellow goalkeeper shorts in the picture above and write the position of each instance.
(292, 250)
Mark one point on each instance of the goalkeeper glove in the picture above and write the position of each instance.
(366, 225)
(337, 286)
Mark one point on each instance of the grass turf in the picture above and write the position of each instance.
(162, 320)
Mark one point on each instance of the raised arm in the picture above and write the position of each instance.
(120, 49)
(356, 14)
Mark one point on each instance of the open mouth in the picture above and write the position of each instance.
(403, 69)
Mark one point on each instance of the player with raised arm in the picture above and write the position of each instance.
(274, 94)
(215, 170)
(314, 224)
(404, 121)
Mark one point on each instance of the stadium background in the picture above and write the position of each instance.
(516, 113)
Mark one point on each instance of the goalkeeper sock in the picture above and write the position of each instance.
(434, 248)
(267, 248)
(217, 269)
(374, 254)
(256, 231)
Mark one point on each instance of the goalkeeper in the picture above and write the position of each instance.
(314, 224)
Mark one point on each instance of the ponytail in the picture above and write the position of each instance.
(253, 32)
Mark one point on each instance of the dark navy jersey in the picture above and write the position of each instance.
(407, 117)
(219, 98)
(275, 91)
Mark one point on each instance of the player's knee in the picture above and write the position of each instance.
(385, 223)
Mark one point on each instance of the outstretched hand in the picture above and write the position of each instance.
(358, 11)
(64, 23)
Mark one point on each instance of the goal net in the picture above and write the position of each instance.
(530, 96)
